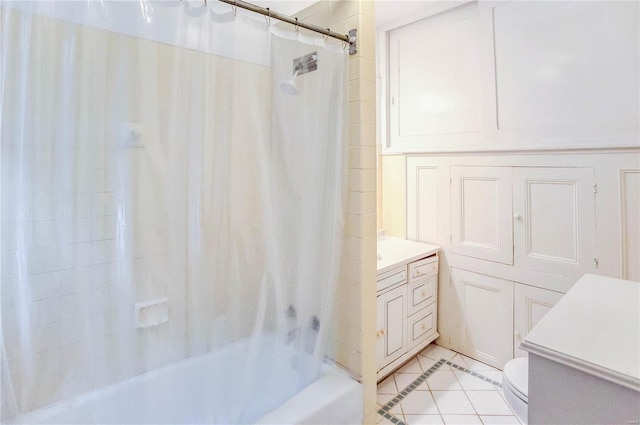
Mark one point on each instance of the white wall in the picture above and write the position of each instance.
(512, 76)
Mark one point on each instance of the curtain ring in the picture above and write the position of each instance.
(268, 17)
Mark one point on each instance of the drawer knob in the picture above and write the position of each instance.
(424, 294)
(419, 273)
(424, 327)
(382, 332)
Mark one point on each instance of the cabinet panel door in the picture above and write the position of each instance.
(486, 306)
(481, 213)
(392, 325)
(554, 59)
(630, 223)
(554, 220)
(437, 75)
(531, 305)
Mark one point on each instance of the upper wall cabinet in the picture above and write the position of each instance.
(516, 75)
(438, 80)
(567, 72)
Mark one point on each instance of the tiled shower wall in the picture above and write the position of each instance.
(355, 310)
(78, 286)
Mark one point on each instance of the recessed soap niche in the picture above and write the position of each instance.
(152, 313)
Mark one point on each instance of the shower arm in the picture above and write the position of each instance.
(350, 38)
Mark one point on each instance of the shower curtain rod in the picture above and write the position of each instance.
(348, 38)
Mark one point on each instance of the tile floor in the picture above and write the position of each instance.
(448, 392)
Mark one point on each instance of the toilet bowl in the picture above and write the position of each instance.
(515, 386)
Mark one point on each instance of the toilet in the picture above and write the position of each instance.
(515, 386)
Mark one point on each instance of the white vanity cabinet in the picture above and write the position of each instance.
(407, 311)
(584, 356)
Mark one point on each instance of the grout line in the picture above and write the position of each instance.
(474, 373)
(384, 410)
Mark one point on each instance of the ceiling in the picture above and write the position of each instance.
(387, 11)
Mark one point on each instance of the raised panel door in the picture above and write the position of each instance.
(391, 329)
(437, 77)
(630, 223)
(486, 308)
(481, 213)
(531, 304)
(554, 220)
(564, 75)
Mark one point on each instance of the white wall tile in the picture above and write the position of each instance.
(46, 312)
(47, 285)
(46, 338)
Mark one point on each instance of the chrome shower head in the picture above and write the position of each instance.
(289, 86)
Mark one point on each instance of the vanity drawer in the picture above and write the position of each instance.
(421, 294)
(392, 278)
(422, 325)
(422, 268)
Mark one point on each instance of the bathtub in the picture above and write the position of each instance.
(190, 392)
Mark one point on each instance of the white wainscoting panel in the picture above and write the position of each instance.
(422, 217)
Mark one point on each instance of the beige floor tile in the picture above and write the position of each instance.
(388, 386)
(461, 419)
(419, 403)
(443, 380)
(453, 403)
(435, 352)
(412, 366)
(384, 398)
(405, 379)
(426, 362)
(489, 403)
(423, 419)
(499, 420)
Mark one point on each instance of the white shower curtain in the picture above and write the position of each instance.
(162, 196)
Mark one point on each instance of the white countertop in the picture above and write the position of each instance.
(393, 251)
(595, 328)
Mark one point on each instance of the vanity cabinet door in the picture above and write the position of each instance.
(531, 304)
(392, 326)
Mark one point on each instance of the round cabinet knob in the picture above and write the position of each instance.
(382, 332)
(424, 294)
(516, 216)
(424, 327)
